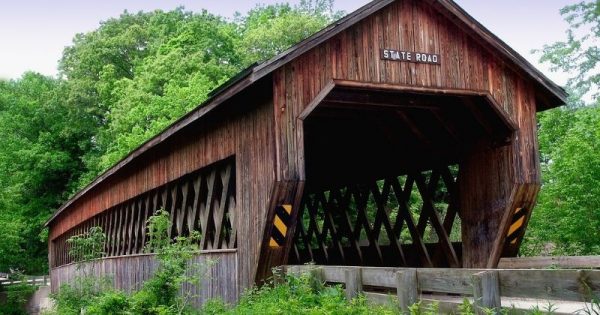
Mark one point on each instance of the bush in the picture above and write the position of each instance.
(113, 302)
(159, 295)
(16, 298)
(297, 295)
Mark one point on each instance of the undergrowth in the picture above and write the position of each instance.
(16, 296)
(297, 295)
(162, 294)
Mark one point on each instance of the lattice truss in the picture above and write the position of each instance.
(408, 220)
(203, 201)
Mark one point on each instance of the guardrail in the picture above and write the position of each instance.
(33, 280)
(486, 287)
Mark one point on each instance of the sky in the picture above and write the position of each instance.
(33, 33)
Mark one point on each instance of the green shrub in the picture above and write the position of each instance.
(159, 295)
(297, 295)
(17, 296)
(113, 302)
(86, 288)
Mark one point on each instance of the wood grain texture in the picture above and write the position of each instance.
(488, 173)
(246, 133)
(486, 291)
(128, 273)
(290, 121)
(567, 262)
(564, 285)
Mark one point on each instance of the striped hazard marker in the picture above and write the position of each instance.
(281, 222)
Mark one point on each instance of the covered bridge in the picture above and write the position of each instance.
(402, 135)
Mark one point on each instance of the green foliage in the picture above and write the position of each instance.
(297, 295)
(161, 294)
(17, 296)
(580, 53)
(88, 246)
(420, 309)
(40, 151)
(466, 308)
(268, 30)
(566, 220)
(120, 84)
(154, 67)
(112, 302)
(567, 214)
(86, 289)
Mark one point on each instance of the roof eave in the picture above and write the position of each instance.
(556, 94)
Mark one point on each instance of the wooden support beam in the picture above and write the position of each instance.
(407, 288)
(206, 212)
(285, 196)
(353, 280)
(485, 188)
(486, 292)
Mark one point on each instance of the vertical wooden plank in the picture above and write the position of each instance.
(118, 230)
(486, 291)
(138, 225)
(113, 228)
(132, 220)
(407, 288)
(353, 280)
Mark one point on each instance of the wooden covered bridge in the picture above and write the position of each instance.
(402, 135)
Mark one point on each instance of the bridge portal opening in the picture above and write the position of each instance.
(381, 167)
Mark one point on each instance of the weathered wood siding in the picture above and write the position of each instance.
(499, 181)
(264, 133)
(246, 132)
(128, 273)
(404, 25)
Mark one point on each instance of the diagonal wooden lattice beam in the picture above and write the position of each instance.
(364, 212)
(429, 208)
(402, 195)
(195, 202)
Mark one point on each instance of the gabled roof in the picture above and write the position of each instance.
(556, 96)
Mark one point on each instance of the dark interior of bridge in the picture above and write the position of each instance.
(381, 171)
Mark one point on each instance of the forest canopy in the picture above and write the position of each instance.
(119, 85)
(125, 81)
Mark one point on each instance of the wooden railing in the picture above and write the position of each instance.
(541, 262)
(33, 280)
(486, 288)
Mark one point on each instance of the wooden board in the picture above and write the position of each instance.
(569, 262)
(220, 278)
(245, 133)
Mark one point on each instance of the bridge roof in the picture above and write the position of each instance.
(550, 94)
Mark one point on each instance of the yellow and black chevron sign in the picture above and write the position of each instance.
(281, 222)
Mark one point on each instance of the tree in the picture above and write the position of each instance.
(580, 53)
(40, 151)
(268, 30)
(567, 218)
(155, 67)
(119, 85)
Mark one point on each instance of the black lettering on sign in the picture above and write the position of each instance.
(410, 56)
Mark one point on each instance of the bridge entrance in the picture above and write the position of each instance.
(382, 165)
